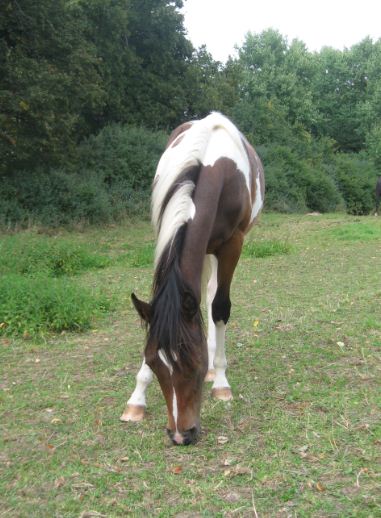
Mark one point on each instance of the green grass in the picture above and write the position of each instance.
(267, 248)
(358, 231)
(39, 305)
(29, 254)
(303, 432)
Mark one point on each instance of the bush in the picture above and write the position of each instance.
(31, 306)
(110, 179)
(123, 155)
(295, 184)
(357, 179)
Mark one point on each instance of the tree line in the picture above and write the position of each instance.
(90, 88)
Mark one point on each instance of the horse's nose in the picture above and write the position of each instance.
(184, 438)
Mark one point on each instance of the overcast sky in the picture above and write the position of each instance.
(221, 24)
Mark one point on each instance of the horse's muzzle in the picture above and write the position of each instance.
(184, 438)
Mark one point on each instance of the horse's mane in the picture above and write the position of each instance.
(168, 322)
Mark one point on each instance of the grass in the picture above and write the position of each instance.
(28, 254)
(37, 292)
(301, 437)
(265, 248)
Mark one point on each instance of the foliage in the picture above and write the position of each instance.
(297, 183)
(68, 68)
(125, 154)
(89, 88)
(356, 177)
(110, 178)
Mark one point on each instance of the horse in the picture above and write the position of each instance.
(207, 193)
(378, 195)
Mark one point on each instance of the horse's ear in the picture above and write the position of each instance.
(143, 308)
(189, 305)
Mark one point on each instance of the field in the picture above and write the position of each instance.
(302, 436)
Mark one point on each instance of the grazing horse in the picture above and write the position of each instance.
(378, 194)
(207, 192)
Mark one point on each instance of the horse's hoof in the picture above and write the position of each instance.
(133, 413)
(223, 394)
(210, 375)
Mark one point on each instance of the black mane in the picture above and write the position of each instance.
(168, 325)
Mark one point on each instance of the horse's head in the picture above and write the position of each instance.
(181, 371)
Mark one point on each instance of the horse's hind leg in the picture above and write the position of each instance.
(136, 405)
(227, 258)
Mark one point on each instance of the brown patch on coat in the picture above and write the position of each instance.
(176, 133)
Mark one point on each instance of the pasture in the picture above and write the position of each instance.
(302, 436)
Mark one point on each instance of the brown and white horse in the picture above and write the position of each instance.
(207, 193)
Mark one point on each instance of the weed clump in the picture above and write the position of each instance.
(31, 306)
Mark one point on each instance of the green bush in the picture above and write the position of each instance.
(32, 306)
(124, 154)
(356, 177)
(110, 179)
(295, 184)
(29, 254)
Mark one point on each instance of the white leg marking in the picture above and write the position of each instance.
(220, 363)
(143, 379)
(211, 292)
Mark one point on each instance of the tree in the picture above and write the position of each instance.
(48, 79)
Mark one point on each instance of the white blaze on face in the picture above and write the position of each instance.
(175, 411)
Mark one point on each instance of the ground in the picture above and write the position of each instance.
(302, 435)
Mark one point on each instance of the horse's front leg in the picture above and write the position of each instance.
(210, 294)
(136, 405)
(227, 259)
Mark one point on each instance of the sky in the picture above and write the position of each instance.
(222, 24)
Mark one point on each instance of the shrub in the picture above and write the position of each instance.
(295, 184)
(357, 179)
(31, 306)
(110, 179)
(124, 154)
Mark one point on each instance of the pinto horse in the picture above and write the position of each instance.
(207, 193)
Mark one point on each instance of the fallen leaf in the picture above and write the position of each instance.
(302, 450)
(124, 459)
(222, 439)
(320, 487)
(59, 482)
(56, 420)
(176, 470)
